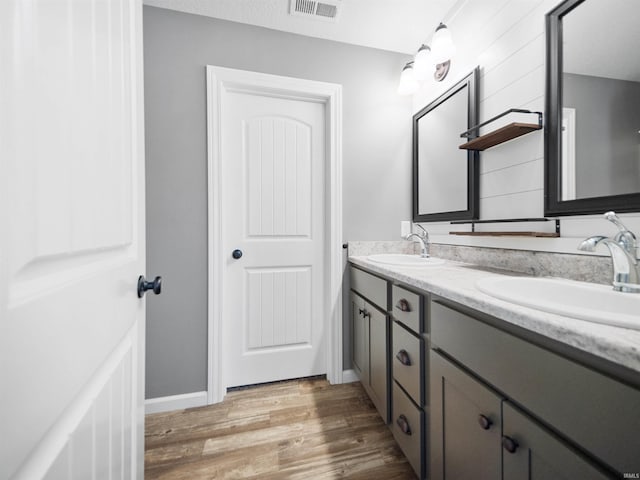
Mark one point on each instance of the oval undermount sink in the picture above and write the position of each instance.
(581, 300)
(402, 260)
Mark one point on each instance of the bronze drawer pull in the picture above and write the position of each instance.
(509, 444)
(403, 357)
(485, 422)
(403, 305)
(403, 423)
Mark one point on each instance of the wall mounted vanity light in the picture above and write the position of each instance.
(422, 63)
(443, 47)
(437, 57)
(408, 82)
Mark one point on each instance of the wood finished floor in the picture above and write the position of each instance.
(300, 429)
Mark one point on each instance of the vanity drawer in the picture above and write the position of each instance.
(369, 286)
(594, 410)
(407, 308)
(407, 359)
(407, 428)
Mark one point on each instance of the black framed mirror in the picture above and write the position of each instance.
(445, 178)
(592, 111)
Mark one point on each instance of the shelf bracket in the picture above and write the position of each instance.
(508, 233)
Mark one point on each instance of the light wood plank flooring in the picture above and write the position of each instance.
(300, 429)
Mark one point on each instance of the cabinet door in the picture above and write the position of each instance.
(379, 359)
(407, 426)
(532, 453)
(406, 362)
(595, 411)
(359, 338)
(465, 425)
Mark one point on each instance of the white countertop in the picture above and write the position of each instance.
(456, 281)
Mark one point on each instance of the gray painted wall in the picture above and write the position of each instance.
(376, 158)
(607, 124)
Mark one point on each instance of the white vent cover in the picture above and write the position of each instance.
(326, 10)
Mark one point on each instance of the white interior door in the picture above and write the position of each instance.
(273, 171)
(71, 239)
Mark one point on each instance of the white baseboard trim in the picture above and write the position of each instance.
(175, 402)
(199, 399)
(349, 376)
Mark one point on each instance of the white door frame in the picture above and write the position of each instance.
(219, 81)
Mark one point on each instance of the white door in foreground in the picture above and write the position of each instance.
(71, 239)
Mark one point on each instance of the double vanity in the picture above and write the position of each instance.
(488, 376)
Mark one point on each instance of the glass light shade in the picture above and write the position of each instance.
(408, 83)
(422, 64)
(442, 46)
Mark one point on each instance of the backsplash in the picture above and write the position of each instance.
(585, 268)
(358, 249)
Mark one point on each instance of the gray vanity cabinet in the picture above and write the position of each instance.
(379, 360)
(505, 408)
(409, 405)
(370, 336)
(466, 422)
(477, 434)
(359, 336)
(471, 396)
(538, 454)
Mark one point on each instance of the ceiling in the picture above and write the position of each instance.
(395, 25)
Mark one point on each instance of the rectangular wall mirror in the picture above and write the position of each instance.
(592, 127)
(445, 178)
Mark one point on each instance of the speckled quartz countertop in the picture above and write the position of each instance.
(456, 281)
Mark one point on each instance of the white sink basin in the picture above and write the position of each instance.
(581, 300)
(402, 260)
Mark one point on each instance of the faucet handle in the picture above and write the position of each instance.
(625, 237)
(424, 233)
(615, 219)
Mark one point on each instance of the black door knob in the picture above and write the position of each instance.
(143, 285)
(237, 253)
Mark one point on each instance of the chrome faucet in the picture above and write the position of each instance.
(423, 238)
(623, 251)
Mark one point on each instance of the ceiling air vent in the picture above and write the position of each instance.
(326, 10)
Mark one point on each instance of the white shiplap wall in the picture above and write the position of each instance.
(506, 39)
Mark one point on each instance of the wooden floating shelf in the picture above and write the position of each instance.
(501, 135)
(507, 234)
